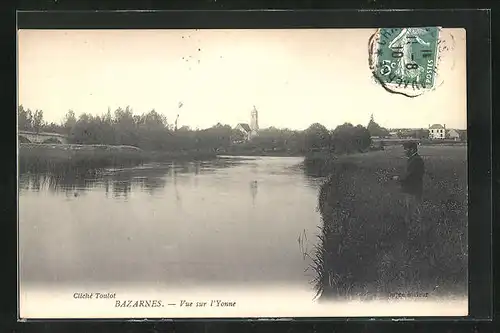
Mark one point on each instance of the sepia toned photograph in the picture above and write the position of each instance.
(242, 173)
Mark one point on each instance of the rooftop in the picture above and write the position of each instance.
(246, 127)
(436, 126)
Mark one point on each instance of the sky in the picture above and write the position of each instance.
(293, 77)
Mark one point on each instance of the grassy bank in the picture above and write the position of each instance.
(423, 142)
(37, 157)
(365, 247)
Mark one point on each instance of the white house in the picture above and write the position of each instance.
(437, 131)
(453, 135)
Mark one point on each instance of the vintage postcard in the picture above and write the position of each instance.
(242, 173)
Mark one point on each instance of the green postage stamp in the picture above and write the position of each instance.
(404, 60)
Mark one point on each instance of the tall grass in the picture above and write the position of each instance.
(366, 249)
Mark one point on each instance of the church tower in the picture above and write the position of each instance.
(254, 124)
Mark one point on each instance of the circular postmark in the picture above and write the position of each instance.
(408, 61)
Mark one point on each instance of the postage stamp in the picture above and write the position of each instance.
(404, 60)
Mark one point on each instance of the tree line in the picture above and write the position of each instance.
(152, 131)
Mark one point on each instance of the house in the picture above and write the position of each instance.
(437, 131)
(393, 135)
(245, 130)
(453, 135)
(249, 131)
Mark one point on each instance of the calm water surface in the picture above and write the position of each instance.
(233, 221)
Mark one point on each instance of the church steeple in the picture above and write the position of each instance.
(254, 124)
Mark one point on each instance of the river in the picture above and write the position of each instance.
(232, 221)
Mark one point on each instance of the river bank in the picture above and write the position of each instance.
(365, 247)
(107, 155)
(33, 157)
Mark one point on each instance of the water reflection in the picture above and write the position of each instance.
(119, 182)
(179, 223)
(174, 172)
(116, 183)
(254, 188)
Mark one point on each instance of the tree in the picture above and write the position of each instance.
(125, 126)
(151, 131)
(347, 138)
(375, 129)
(154, 120)
(362, 138)
(269, 139)
(69, 119)
(82, 132)
(215, 137)
(68, 123)
(24, 119)
(52, 128)
(38, 120)
(463, 135)
(422, 134)
(316, 137)
(107, 130)
(107, 118)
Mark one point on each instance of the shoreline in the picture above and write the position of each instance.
(72, 152)
(74, 158)
(367, 250)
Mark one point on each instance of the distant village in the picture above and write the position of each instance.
(432, 132)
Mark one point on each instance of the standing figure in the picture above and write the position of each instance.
(412, 182)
